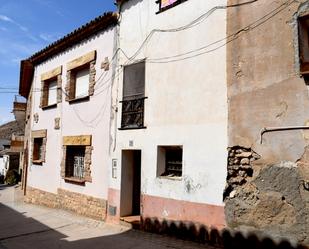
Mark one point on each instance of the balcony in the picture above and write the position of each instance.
(133, 114)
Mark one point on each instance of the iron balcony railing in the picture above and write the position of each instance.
(133, 113)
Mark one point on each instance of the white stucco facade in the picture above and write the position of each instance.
(4, 164)
(90, 117)
(186, 92)
(185, 105)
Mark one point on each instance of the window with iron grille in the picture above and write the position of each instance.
(169, 161)
(167, 4)
(133, 96)
(75, 162)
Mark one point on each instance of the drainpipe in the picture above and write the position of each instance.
(282, 128)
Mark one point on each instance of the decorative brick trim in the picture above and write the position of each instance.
(70, 86)
(77, 140)
(64, 156)
(44, 94)
(51, 74)
(39, 133)
(59, 88)
(88, 153)
(87, 58)
(92, 73)
(81, 204)
(57, 124)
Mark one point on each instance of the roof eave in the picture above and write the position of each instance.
(93, 27)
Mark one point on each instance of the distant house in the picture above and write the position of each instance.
(4, 159)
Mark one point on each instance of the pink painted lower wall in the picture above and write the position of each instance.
(169, 209)
(113, 201)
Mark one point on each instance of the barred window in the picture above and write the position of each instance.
(75, 162)
(170, 161)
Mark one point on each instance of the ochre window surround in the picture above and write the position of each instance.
(51, 88)
(76, 160)
(39, 139)
(78, 71)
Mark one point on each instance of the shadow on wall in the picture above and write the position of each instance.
(211, 236)
(19, 231)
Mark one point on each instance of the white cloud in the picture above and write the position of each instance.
(6, 19)
(49, 37)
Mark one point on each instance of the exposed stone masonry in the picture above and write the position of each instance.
(239, 167)
(92, 73)
(81, 204)
(269, 200)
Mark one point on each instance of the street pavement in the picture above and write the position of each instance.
(30, 226)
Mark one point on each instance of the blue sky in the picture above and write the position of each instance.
(27, 26)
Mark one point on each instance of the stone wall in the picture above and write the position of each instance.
(270, 200)
(239, 168)
(81, 204)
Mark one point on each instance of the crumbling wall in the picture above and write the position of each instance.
(267, 183)
(275, 200)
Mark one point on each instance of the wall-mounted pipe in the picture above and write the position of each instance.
(282, 128)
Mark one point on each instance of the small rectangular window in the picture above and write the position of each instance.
(38, 146)
(169, 161)
(37, 149)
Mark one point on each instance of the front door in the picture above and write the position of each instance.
(130, 199)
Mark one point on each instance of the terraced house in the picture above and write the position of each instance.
(177, 110)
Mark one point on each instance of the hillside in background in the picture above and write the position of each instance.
(6, 130)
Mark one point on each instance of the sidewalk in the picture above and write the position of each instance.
(28, 226)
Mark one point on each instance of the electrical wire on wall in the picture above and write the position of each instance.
(106, 84)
